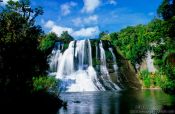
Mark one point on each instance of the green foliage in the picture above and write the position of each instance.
(145, 76)
(108, 56)
(106, 37)
(168, 85)
(162, 33)
(102, 34)
(150, 80)
(157, 36)
(65, 37)
(133, 43)
(20, 58)
(48, 42)
(45, 83)
(96, 61)
(167, 9)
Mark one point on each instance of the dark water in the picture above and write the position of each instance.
(123, 102)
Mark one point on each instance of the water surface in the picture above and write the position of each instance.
(119, 102)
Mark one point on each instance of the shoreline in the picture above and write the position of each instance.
(151, 88)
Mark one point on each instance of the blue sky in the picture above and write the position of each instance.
(86, 18)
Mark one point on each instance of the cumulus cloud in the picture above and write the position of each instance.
(86, 32)
(56, 28)
(83, 32)
(83, 21)
(113, 2)
(66, 8)
(90, 19)
(90, 5)
(77, 21)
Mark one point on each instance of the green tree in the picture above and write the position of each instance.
(167, 9)
(48, 42)
(65, 37)
(162, 35)
(102, 34)
(20, 58)
(133, 43)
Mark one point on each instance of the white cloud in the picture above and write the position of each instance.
(113, 2)
(93, 19)
(49, 24)
(66, 8)
(5, 1)
(87, 32)
(77, 21)
(90, 19)
(83, 32)
(90, 5)
(57, 29)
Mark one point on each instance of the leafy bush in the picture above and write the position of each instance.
(168, 85)
(48, 42)
(150, 79)
(145, 76)
(157, 79)
(45, 83)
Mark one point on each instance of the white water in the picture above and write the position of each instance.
(53, 58)
(103, 67)
(114, 60)
(115, 67)
(105, 74)
(80, 53)
(75, 68)
(66, 62)
(149, 62)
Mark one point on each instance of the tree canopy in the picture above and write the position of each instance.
(19, 41)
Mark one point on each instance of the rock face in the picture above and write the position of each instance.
(91, 65)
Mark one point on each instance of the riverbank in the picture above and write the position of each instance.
(38, 102)
(157, 88)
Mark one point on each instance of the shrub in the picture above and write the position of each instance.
(45, 83)
(47, 42)
(150, 79)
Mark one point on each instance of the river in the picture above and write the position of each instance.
(118, 102)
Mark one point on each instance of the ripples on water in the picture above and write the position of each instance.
(123, 102)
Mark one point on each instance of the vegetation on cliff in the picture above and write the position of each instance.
(158, 37)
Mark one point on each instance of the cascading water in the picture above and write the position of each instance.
(149, 62)
(66, 62)
(115, 67)
(103, 68)
(53, 58)
(75, 68)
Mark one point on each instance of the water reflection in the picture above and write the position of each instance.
(123, 102)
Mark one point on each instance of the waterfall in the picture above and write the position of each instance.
(114, 60)
(149, 62)
(115, 67)
(80, 53)
(53, 58)
(103, 67)
(66, 62)
(90, 53)
(105, 74)
(74, 67)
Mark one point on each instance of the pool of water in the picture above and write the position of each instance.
(118, 102)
